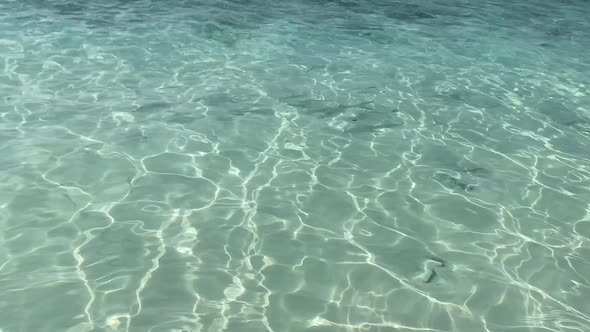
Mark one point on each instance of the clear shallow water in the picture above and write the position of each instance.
(294, 166)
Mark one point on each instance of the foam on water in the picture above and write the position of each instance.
(294, 165)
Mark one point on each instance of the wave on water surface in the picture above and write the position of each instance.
(300, 165)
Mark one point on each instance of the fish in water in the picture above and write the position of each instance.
(337, 110)
(476, 171)
(427, 274)
(580, 125)
(373, 128)
(406, 12)
(152, 107)
(452, 182)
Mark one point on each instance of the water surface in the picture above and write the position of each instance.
(294, 166)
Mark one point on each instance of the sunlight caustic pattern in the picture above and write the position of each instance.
(294, 166)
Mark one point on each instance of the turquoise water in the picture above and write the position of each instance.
(289, 166)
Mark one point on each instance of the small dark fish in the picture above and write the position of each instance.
(332, 112)
(152, 107)
(471, 170)
(70, 9)
(428, 272)
(373, 128)
(438, 261)
(580, 125)
(429, 277)
(406, 12)
(475, 171)
(452, 182)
